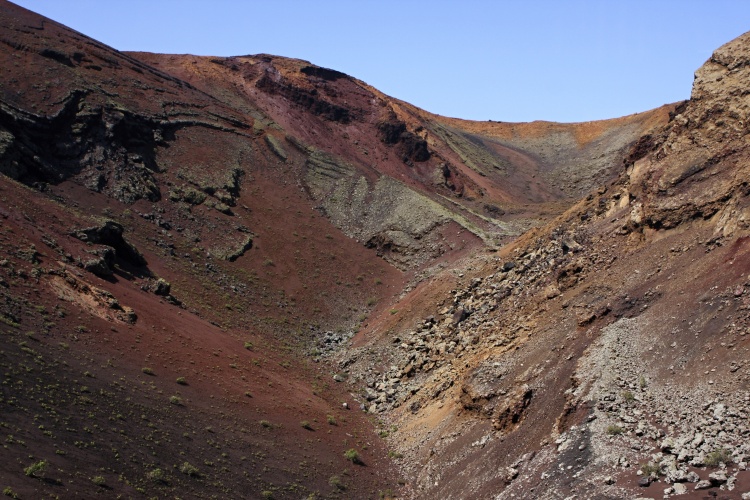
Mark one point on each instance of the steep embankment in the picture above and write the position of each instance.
(604, 355)
(160, 279)
(186, 239)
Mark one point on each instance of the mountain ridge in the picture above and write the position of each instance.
(210, 265)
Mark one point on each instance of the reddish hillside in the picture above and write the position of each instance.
(210, 266)
(604, 355)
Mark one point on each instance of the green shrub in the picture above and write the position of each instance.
(650, 469)
(306, 425)
(37, 469)
(353, 456)
(175, 400)
(331, 420)
(147, 370)
(628, 396)
(182, 381)
(8, 492)
(335, 481)
(157, 476)
(718, 456)
(189, 470)
(99, 480)
(614, 430)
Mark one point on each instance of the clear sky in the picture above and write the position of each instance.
(564, 60)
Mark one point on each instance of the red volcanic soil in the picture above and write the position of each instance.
(208, 264)
(120, 400)
(116, 385)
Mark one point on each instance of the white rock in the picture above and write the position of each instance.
(679, 488)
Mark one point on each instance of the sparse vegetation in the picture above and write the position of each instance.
(157, 476)
(306, 425)
(189, 470)
(175, 400)
(353, 456)
(266, 424)
(147, 370)
(335, 481)
(331, 420)
(717, 457)
(182, 381)
(8, 492)
(37, 469)
(627, 396)
(99, 480)
(614, 430)
(650, 469)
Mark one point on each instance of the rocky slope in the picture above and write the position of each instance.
(604, 355)
(189, 245)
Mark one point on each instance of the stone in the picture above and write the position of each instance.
(676, 476)
(161, 287)
(667, 445)
(692, 477)
(703, 484)
(98, 266)
(679, 489)
(370, 394)
(459, 315)
(510, 474)
(718, 477)
(110, 234)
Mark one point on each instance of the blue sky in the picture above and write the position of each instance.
(501, 60)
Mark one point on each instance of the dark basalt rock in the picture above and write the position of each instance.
(410, 145)
(330, 75)
(110, 234)
(111, 150)
(307, 99)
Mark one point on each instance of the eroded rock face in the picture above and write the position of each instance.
(705, 138)
(307, 99)
(411, 147)
(110, 234)
(111, 150)
(613, 340)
